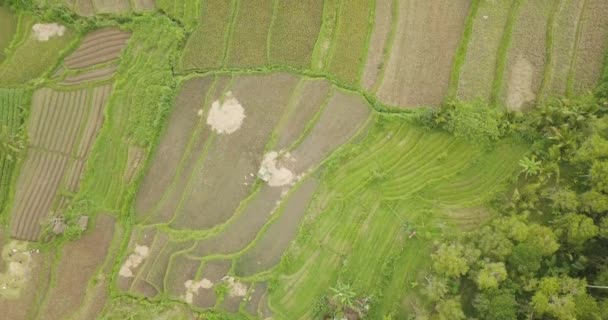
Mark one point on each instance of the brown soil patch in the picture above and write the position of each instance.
(144, 5)
(141, 238)
(84, 8)
(591, 47)
(103, 74)
(36, 187)
(62, 126)
(255, 296)
(339, 121)
(143, 288)
(112, 6)
(224, 180)
(99, 46)
(79, 261)
(158, 272)
(309, 99)
(135, 158)
(477, 72)
(159, 244)
(427, 34)
(270, 247)
(526, 57)
(245, 227)
(181, 125)
(181, 269)
(564, 39)
(213, 271)
(378, 43)
(520, 87)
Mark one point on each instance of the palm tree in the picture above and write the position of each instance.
(530, 166)
(343, 295)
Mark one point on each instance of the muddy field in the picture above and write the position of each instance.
(404, 84)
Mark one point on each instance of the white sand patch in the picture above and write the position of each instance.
(45, 31)
(275, 169)
(193, 287)
(226, 117)
(235, 288)
(18, 261)
(520, 84)
(133, 261)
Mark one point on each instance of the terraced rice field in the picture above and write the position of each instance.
(61, 128)
(383, 182)
(237, 158)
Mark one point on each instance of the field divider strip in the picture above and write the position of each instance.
(228, 37)
(371, 25)
(502, 53)
(170, 262)
(461, 52)
(577, 39)
(275, 9)
(549, 47)
(327, 59)
(388, 47)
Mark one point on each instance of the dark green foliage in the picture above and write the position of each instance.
(472, 121)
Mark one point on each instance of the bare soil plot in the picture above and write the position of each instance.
(181, 269)
(79, 262)
(174, 142)
(36, 187)
(143, 5)
(61, 129)
(591, 46)
(428, 34)
(97, 47)
(310, 98)
(249, 37)
(8, 26)
(268, 249)
(477, 72)
(173, 198)
(102, 74)
(294, 32)
(112, 6)
(137, 253)
(140, 286)
(526, 56)
(255, 297)
(206, 45)
(84, 7)
(343, 116)
(378, 45)
(221, 184)
(565, 25)
(213, 271)
(157, 274)
(349, 45)
(240, 232)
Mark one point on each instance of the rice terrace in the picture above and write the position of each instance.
(304, 159)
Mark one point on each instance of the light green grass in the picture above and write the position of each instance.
(478, 64)
(186, 12)
(331, 9)
(372, 205)
(250, 33)
(294, 32)
(348, 48)
(28, 58)
(206, 45)
(12, 112)
(141, 97)
(8, 26)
